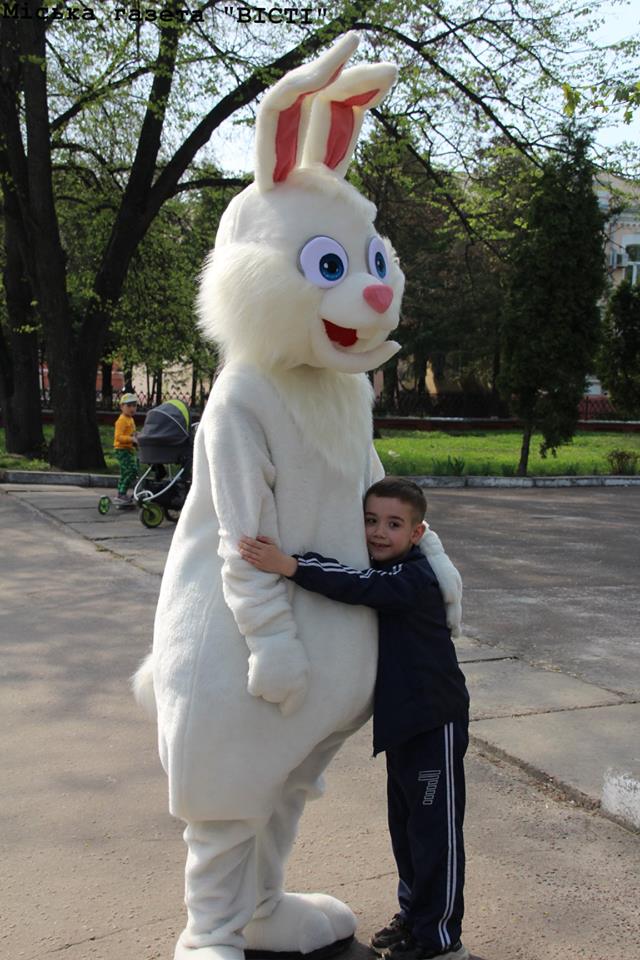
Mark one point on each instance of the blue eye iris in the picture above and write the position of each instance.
(323, 261)
(331, 267)
(377, 258)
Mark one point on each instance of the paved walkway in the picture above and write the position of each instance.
(93, 860)
(552, 614)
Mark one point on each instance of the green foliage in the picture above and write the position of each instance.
(154, 322)
(623, 461)
(552, 318)
(135, 107)
(618, 362)
(452, 234)
(451, 467)
(572, 98)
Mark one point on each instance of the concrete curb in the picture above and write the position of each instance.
(111, 480)
(58, 479)
(528, 482)
(621, 796)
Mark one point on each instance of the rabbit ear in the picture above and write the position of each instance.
(339, 110)
(284, 112)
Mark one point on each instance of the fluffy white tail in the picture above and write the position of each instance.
(142, 684)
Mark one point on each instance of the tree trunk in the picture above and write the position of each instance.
(107, 385)
(495, 370)
(524, 449)
(158, 382)
(420, 373)
(19, 375)
(30, 170)
(390, 384)
(194, 384)
(20, 396)
(76, 444)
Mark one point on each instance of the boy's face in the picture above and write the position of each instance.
(128, 409)
(391, 528)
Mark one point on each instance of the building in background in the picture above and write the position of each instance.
(620, 199)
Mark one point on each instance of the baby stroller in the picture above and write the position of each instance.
(165, 445)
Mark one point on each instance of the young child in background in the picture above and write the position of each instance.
(124, 441)
(420, 715)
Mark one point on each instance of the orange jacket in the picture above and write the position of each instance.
(125, 429)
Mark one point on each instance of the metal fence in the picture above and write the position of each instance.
(467, 405)
(598, 408)
(478, 406)
(406, 404)
(145, 402)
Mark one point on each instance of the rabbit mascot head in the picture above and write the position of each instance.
(299, 274)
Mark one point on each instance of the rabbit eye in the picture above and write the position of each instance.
(377, 258)
(323, 261)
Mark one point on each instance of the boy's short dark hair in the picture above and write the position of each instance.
(404, 490)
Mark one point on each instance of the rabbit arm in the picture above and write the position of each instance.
(448, 578)
(242, 486)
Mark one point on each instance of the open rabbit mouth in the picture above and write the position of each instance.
(345, 336)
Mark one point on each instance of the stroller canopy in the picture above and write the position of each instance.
(166, 432)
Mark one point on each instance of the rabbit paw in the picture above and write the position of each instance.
(301, 923)
(279, 673)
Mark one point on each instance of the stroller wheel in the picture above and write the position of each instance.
(104, 505)
(152, 515)
(171, 515)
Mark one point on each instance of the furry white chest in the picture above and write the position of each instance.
(297, 472)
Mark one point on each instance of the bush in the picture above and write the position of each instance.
(451, 467)
(623, 461)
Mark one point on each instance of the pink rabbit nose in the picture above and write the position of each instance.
(378, 296)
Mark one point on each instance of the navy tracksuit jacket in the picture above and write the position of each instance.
(420, 719)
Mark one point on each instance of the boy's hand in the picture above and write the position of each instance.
(263, 554)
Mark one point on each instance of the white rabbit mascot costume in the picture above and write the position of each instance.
(257, 682)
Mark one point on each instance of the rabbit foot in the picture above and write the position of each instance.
(310, 924)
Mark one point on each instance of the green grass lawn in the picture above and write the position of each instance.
(429, 453)
(496, 453)
(9, 461)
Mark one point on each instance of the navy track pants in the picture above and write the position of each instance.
(426, 799)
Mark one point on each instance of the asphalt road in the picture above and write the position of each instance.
(553, 576)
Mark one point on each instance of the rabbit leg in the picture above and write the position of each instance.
(220, 889)
(293, 922)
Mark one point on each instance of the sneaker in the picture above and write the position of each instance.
(393, 933)
(123, 500)
(410, 949)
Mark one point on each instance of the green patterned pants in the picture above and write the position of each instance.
(128, 469)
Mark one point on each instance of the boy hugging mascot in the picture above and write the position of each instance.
(257, 683)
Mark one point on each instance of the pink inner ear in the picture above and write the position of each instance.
(287, 132)
(287, 140)
(342, 124)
